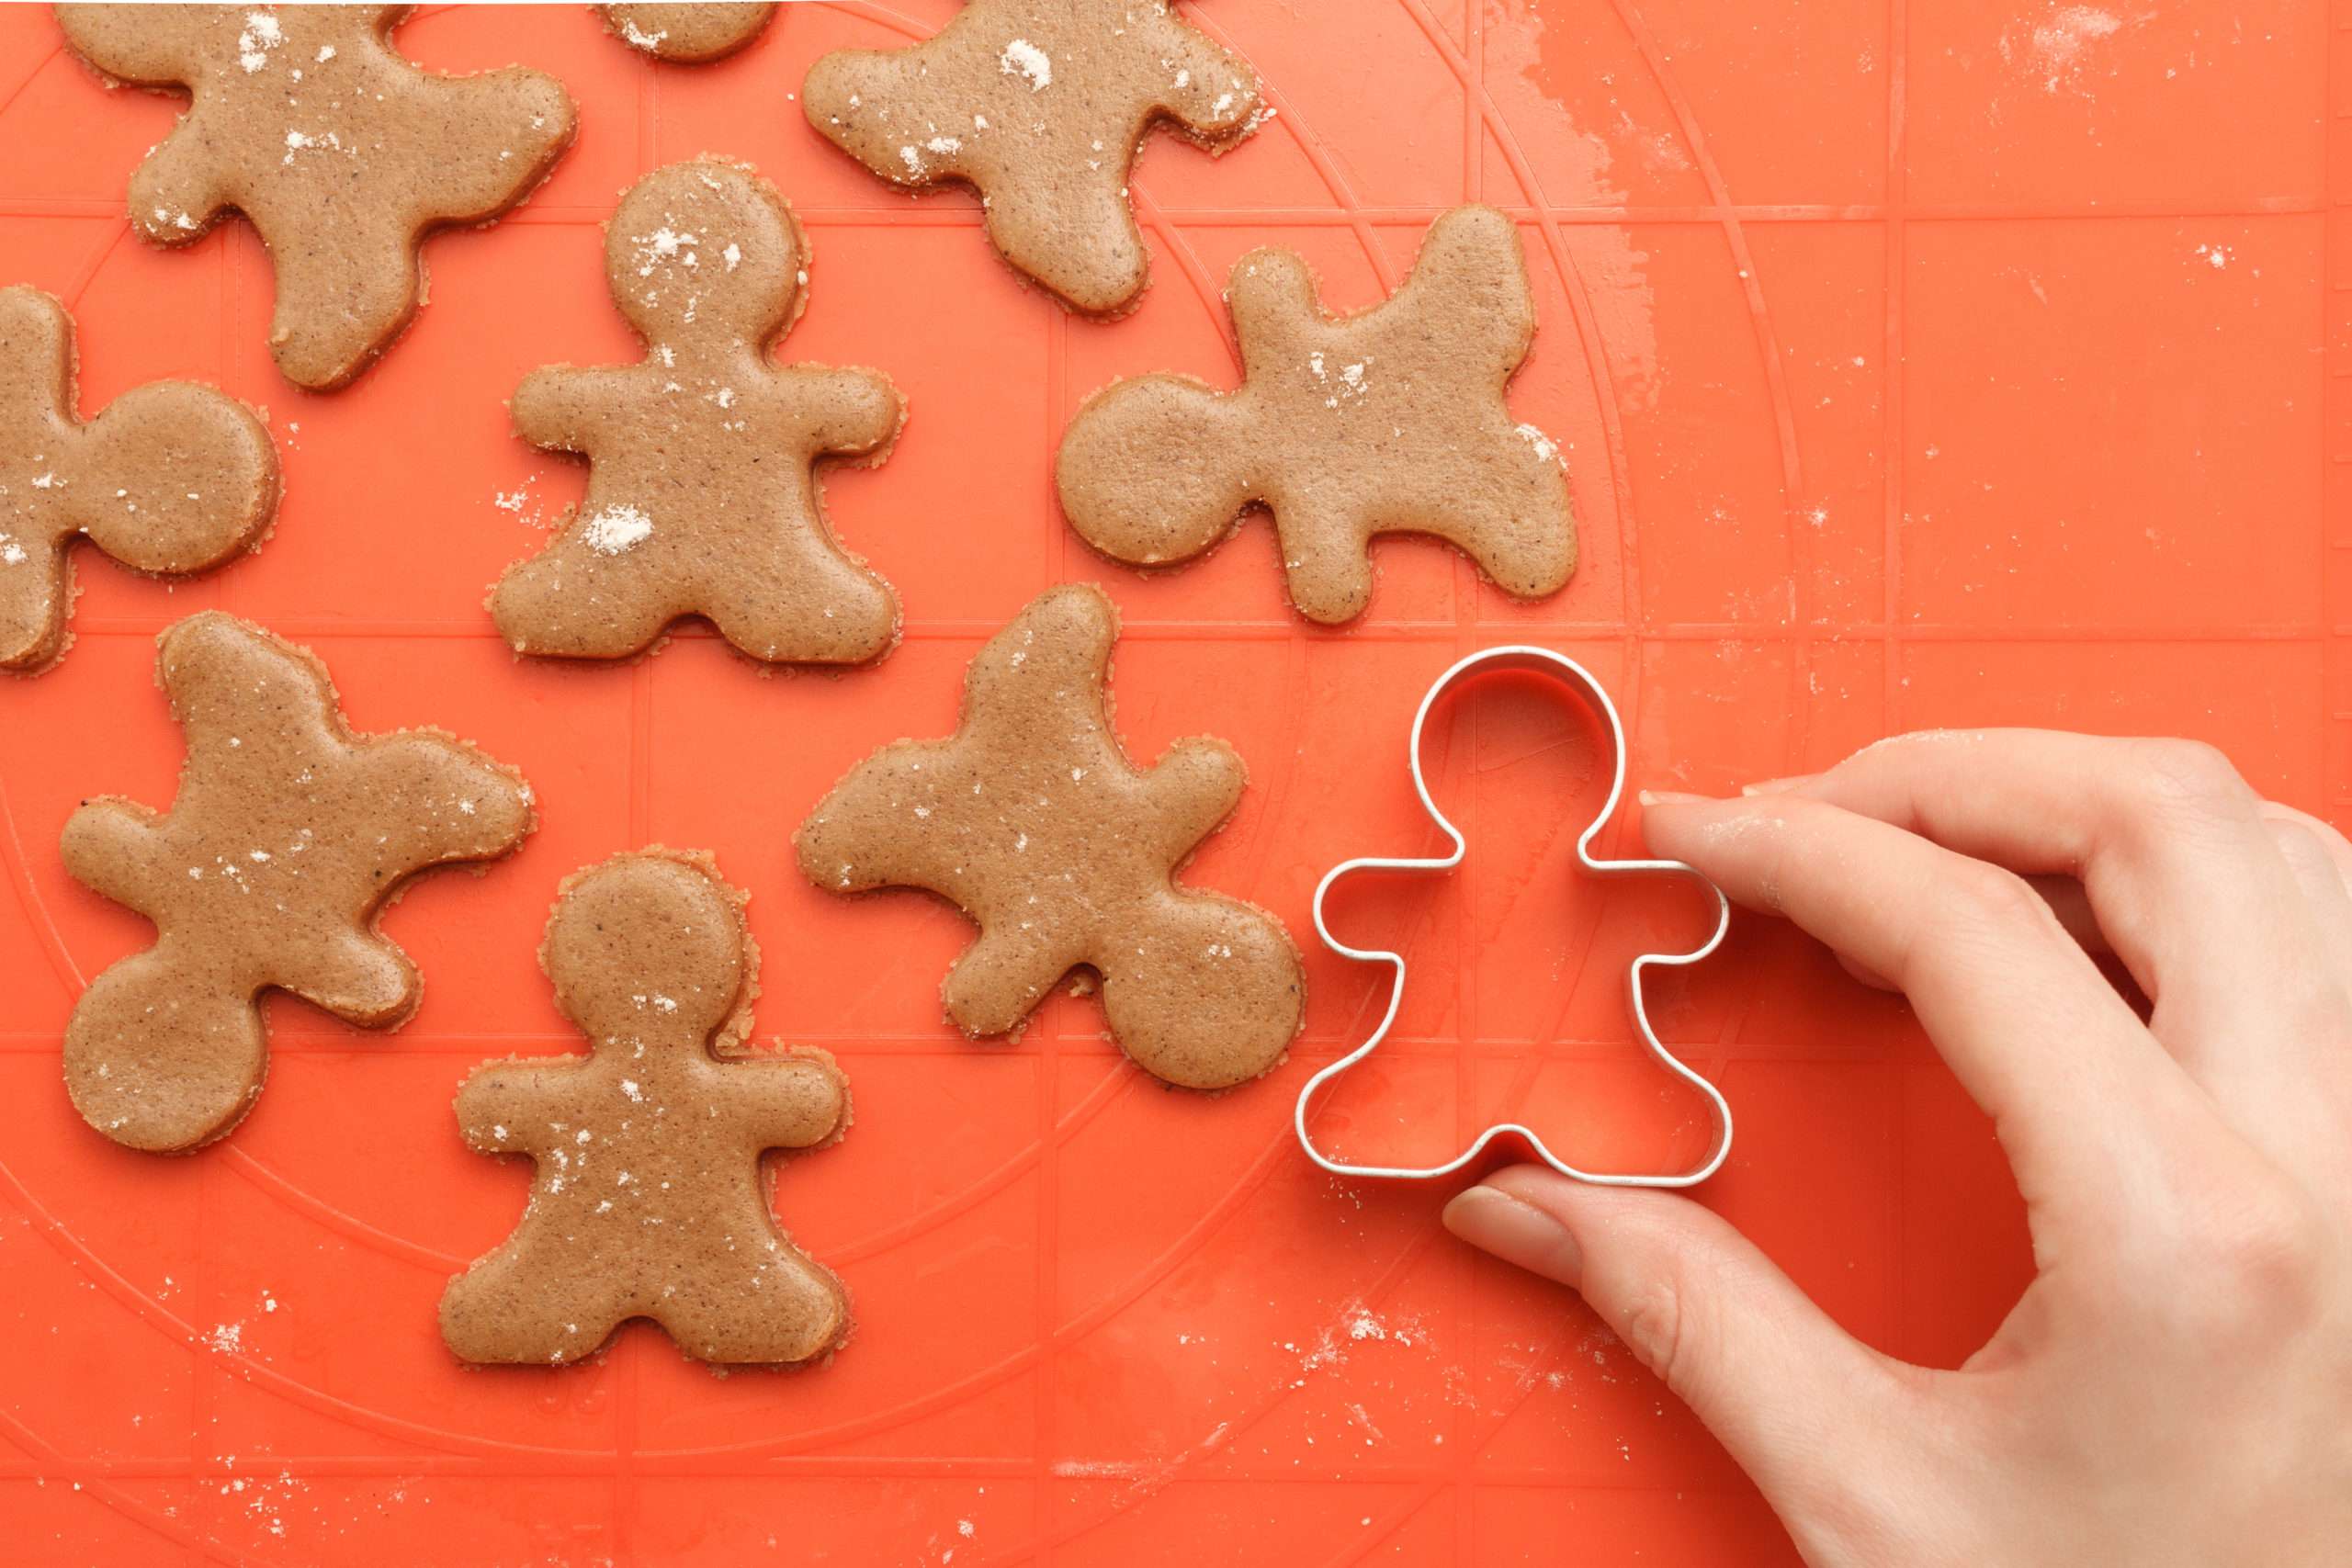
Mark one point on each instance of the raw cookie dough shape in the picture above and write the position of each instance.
(339, 150)
(1034, 822)
(288, 835)
(169, 477)
(701, 495)
(688, 34)
(648, 1201)
(1392, 421)
(1042, 105)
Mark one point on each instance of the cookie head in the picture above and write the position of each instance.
(688, 34)
(1156, 470)
(703, 251)
(650, 947)
(201, 464)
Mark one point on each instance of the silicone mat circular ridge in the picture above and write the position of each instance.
(1916, 365)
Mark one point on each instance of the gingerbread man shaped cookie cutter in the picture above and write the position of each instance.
(1580, 681)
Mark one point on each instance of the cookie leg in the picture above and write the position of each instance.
(1077, 239)
(510, 1309)
(563, 604)
(1507, 509)
(805, 602)
(781, 1310)
(340, 304)
(1325, 554)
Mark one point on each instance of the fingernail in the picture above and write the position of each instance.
(1515, 1232)
(1779, 787)
(1649, 797)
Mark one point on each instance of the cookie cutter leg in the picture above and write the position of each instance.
(1577, 679)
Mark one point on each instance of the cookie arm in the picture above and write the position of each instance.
(849, 412)
(1209, 88)
(1271, 297)
(147, 46)
(1192, 788)
(862, 835)
(178, 190)
(564, 409)
(114, 847)
(180, 186)
(352, 973)
(1002, 977)
(503, 130)
(1470, 284)
(501, 1110)
(452, 802)
(785, 1102)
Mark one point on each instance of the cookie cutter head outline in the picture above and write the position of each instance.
(1577, 678)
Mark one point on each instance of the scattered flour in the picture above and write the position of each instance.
(1022, 58)
(617, 529)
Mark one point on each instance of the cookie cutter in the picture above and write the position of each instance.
(1577, 679)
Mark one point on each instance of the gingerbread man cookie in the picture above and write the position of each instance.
(688, 34)
(1032, 822)
(288, 835)
(648, 1201)
(1041, 105)
(341, 153)
(1390, 421)
(702, 499)
(170, 478)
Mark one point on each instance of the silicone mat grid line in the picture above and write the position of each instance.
(1064, 1527)
(1407, 220)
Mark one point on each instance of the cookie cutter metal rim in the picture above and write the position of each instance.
(1543, 662)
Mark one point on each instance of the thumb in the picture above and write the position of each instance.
(1792, 1395)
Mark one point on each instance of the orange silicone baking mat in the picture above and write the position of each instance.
(1915, 365)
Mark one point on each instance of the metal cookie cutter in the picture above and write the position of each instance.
(1542, 661)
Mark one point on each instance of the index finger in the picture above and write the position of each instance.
(2084, 1097)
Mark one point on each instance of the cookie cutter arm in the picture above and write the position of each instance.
(1577, 679)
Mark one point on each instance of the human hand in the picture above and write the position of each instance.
(2176, 1385)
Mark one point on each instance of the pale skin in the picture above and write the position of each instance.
(2176, 1385)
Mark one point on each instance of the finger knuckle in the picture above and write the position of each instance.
(2189, 774)
(1657, 1324)
(2263, 1254)
(2305, 852)
(1992, 895)
(1651, 1326)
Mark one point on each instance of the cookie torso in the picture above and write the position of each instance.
(287, 834)
(1032, 820)
(171, 477)
(341, 153)
(1391, 420)
(1041, 105)
(701, 495)
(649, 1199)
